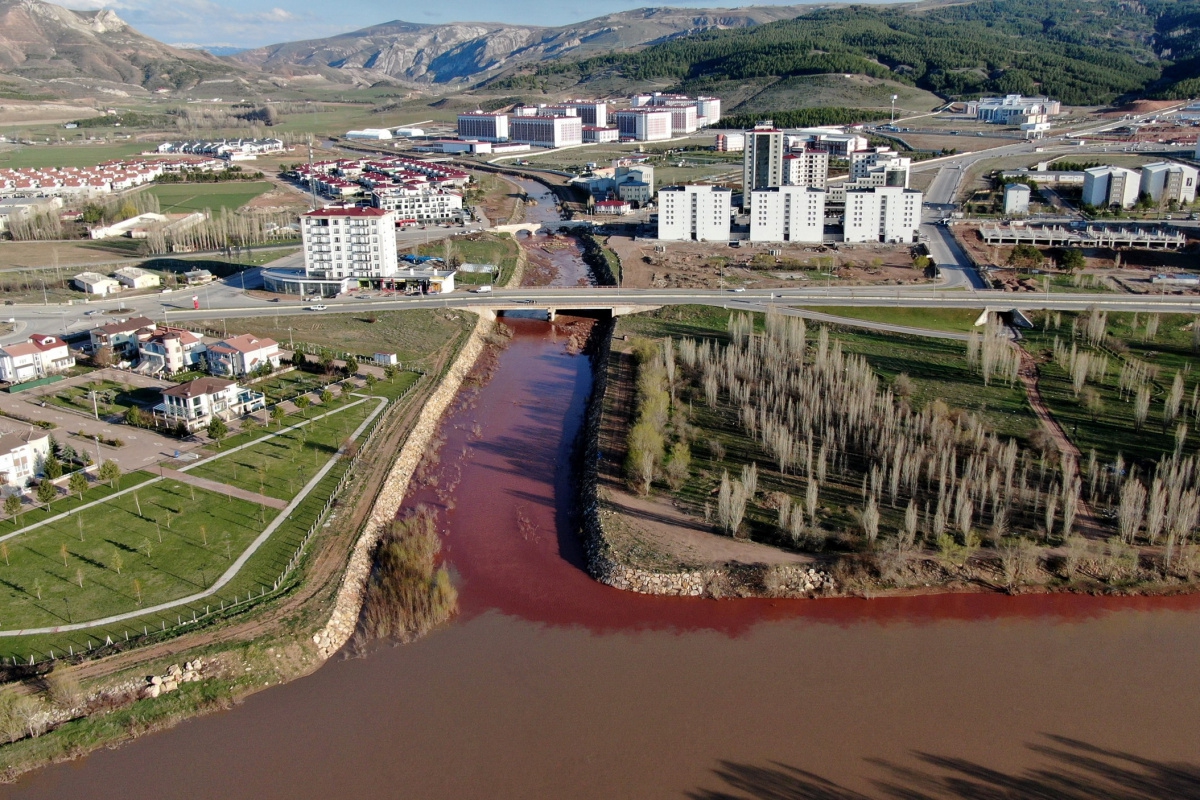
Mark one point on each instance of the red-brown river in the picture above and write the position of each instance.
(550, 685)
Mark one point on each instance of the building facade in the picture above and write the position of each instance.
(1016, 199)
(1164, 181)
(22, 453)
(483, 126)
(239, 356)
(37, 357)
(349, 242)
(806, 168)
(644, 124)
(419, 203)
(788, 214)
(169, 350)
(762, 162)
(885, 214)
(546, 131)
(196, 403)
(1110, 186)
(694, 213)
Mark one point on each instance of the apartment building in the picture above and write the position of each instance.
(349, 242)
(644, 124)
(694, 213)
(420, 203)
(707, 109)
(872, 169)
(762, 161)
(1111, 186)
(730, 142)
(788, 214)
(38, 356)
(545, 130)
(1016, 199)
(483, 126)
(806, 168)
(592, 112)
(1166, 181)
(883, 214)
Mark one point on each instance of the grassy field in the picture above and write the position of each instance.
(487, 248)
(848, 91)
(414, 336)
(200, 533)
(111, 397)
(187, 197)
(955, 320)
(280, 466)
(66, 155)
(1110, 429)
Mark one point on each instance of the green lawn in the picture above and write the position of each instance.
(182, 198)
(111, 397)
(955, 320)
(73, 155)
(498, 249)
(116, 534)
(280, 466)
(98, 491)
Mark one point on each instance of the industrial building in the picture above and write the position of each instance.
(1166, 181)
(1110, 186)
(788, 214)
(882, 214)
(694, 213)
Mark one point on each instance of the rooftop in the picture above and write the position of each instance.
(198, 387)
(350, 211)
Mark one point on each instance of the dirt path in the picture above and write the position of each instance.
(1029, 374)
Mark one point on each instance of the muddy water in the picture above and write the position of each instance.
(550, 685)
(553, 260)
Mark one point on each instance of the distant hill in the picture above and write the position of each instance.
(41, 41)
(470, 51)
(1080, 51)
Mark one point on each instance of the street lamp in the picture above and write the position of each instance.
(894, 107)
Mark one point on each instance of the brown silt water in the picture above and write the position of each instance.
(549, 685)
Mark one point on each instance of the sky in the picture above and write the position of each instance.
(251, 23)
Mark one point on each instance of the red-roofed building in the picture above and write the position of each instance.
(242, 355)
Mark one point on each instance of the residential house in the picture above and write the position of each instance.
(23, 450)
(39, 356)
(242, 355)
(123, 336)
(197, 402)
(169, 350)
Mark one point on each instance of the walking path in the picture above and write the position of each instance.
(223, 488)
(237, 565)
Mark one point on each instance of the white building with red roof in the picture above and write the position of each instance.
(242, 355)
(37, 357)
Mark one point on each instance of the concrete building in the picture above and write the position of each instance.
(168, 350)
(485, 127)
(370, 134)
(123, 336)
(419, 203)
(870, 170)
(593, 134)
(1166, 181)
(707, 109)
(137, 278)
(592, 112)
(730, 142)
(23, 450)
(197, 402)
(762, 162)
(345, 242)
(1110, 186)
(885, 214)
(1010, 109)
(613, 207)
(239, 356)
(788, 214)
(546, 131)
(37, 357)
(95, 283)
(694, 213)
(806, 168)
(644, 124)
(1016, 199)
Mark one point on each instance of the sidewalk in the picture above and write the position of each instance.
(223, 488)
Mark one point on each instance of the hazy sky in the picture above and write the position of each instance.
(249, 23)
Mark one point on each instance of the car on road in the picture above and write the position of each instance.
(525, 302)
(318, 307)
(738, 289)
(93, 312)
(483, 289)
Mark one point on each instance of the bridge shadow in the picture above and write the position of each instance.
(1070, 770)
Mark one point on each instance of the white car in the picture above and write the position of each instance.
(738, 289)
(318, 307)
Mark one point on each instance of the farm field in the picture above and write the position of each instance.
(66, 155)
(187, 197)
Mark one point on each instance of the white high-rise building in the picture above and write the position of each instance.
(1165, 181)
(1110, 186)
(349, 242)
(694, 213)
(806, 168)
(1016, 199)
(884, 214)
(872, 169)
(788, 214)
(644, 124)
(762, 163)
(546, 131)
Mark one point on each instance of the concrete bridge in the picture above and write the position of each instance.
(554, 226)
(574, 309)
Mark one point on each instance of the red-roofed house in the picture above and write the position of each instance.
(242, 355)
(38, 357)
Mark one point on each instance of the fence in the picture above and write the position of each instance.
(254, 596)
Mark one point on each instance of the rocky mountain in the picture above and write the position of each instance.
(465, 52)
(45, 42)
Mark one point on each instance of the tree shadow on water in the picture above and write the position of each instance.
(1070, 770)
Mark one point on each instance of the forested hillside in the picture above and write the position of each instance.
(1080, 51)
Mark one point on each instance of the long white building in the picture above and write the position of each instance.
(644, 124)
(483, 126)
(788, 214)
(349, 242)
(1166, 181)
(884, 214)
(694, 213)
(546, 131)
(872, 169)
(1111, 186)
(1012, 109)
(422, 204)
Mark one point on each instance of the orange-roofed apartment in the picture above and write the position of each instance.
(242, 355)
